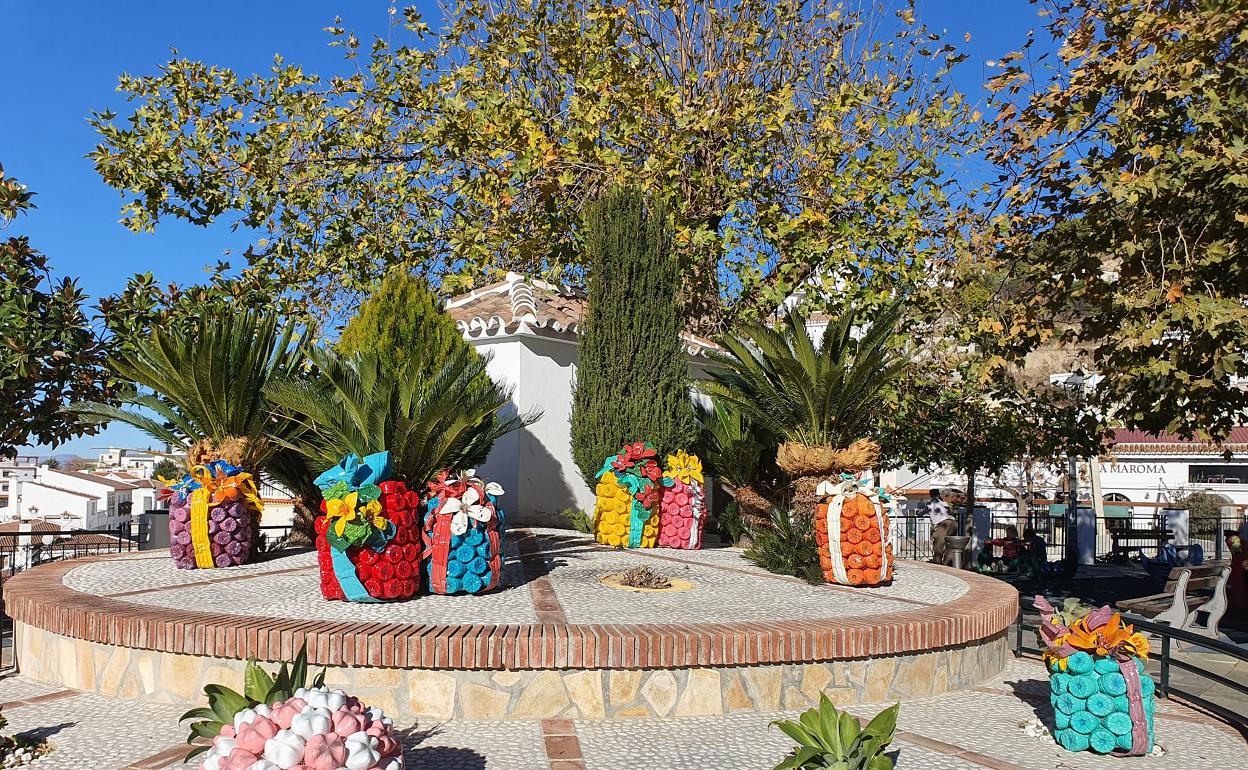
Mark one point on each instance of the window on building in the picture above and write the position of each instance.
(1217, 474)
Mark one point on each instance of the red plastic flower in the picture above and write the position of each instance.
(652, 471)
(648, 497)
(621, 462)
(638, 450)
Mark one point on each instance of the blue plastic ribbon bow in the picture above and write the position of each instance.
(355, 473)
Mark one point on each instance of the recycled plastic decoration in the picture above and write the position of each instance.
(463, 534)
(682, 511)
(851, 530)
(212, 514)
(1102, 699)
(315, 729)
(626, 504)
(368, 541)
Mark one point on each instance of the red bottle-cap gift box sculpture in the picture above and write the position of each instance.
(368, 540)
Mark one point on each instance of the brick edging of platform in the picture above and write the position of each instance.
(39, 598)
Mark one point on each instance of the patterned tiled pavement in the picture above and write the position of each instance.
(958, 731)
(727, 588)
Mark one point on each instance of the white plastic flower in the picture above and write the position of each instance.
(469, 506)
(362, 751)
(284, 749)
(249, 715)
(310, 722)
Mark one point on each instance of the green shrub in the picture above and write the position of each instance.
(832, 739)
(730, 524)
(787, 547)
(632, 379)
(1204, 512)
(578, 519)
(402, 322)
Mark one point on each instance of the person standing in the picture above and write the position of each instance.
(943, 525)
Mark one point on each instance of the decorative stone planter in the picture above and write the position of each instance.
(463, 535)
(851, 530)
(368, 541)
(213, 514)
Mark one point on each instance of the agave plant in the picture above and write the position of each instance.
(833, 740)
(821, 400)
(259, 687)
(350, 405)
(206, 388)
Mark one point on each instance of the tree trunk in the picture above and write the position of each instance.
(968, 510)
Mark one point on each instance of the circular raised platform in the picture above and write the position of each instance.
(553, 642)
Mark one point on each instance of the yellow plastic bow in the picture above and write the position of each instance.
(684, 467)
(343, 511)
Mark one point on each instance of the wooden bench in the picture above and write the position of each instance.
(1188, 590)
(1127, 542)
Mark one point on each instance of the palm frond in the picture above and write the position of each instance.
(779, 380)
(349, 405)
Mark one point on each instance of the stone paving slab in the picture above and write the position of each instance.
(91, 732)
(962, 731)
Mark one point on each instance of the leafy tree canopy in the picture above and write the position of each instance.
(1123, 203)
(49, 354)
(791, 142)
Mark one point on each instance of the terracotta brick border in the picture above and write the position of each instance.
(39, 598)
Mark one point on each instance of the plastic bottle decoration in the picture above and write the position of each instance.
(213, 512)
(368, 540)
(682, 512)
(463, 534)
(851, 530)
(626, 505)
(1102, 699)
(313, 729)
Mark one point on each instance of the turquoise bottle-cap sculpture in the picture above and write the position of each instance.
(1102, 699)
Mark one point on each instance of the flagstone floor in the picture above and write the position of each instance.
(970, 730)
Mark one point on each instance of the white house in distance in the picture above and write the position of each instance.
(529, 328)
(76, 500)
(12, 473)
(138, 463)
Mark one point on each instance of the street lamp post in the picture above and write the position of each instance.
(1071, 550)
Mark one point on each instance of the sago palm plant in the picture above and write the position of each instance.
(205, 389)
(821, 400)
(351, 405)
(742, 458)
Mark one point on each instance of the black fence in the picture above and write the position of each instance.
(1117, 537)
(23, 550)
(1164, 658)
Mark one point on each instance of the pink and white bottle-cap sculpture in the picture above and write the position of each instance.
(682, 511)
(316, 729)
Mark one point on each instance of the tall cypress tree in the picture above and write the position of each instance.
(632, 381)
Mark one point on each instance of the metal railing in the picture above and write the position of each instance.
(1162, 654)
(914, 539)
(22, 550)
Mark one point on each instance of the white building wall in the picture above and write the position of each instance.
(110, 511)
(41, 502)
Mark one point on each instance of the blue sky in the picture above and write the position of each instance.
(63, 61)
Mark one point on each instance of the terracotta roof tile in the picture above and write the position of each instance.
(524, 305)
